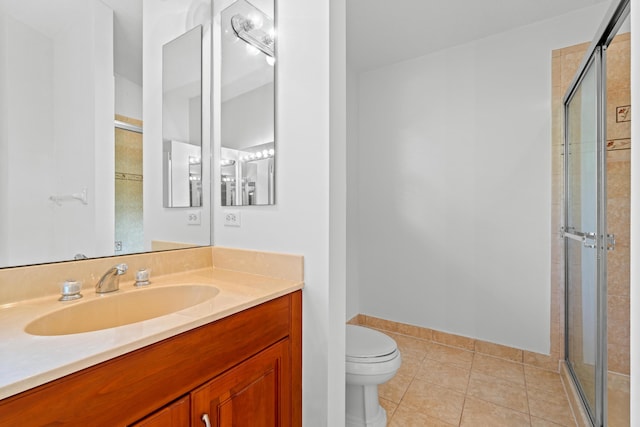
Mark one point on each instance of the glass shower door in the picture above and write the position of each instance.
(584, 270)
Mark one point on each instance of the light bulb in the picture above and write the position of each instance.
(265, 153)
(256, 20)
(259, 155)
(272, 151)
(270, 60)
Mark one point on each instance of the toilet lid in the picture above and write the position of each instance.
(364, 344)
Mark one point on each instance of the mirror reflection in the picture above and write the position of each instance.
(182, 120)
(81, 129)
(247, 155)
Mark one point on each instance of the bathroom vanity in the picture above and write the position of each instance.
(235, 360)
(236, 371)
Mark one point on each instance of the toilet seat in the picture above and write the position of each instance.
(364, 345)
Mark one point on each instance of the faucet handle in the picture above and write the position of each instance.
(70, 290)
(142, 277)
(121, 268)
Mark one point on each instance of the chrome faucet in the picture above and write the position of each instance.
(110, 281)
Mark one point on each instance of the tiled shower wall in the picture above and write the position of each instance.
(128, 189)
(565, 63)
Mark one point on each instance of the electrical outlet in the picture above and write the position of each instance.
(232, 219)
(193, 218)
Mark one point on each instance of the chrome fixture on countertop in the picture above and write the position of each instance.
(110, 281)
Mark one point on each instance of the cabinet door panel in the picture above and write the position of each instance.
(173, 415)
(249, 395)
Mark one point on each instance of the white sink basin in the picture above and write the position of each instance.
(111, 310)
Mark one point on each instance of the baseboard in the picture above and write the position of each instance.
(538, 360)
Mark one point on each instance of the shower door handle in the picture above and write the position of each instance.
(589, 240)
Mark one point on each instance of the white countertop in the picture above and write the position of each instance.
(27, 361)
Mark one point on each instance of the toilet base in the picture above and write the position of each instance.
(363, 407)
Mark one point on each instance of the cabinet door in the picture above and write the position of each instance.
(256, 393)
(173, 415)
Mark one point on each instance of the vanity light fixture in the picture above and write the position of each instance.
(227, 162)
(248, 30)
(258, 155)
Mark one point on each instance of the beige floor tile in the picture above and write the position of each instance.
(540, 422)
(498, 368)
(434, 401)
(445, 375)
(501, 392)
(443, 386)
(409, 417)
(542, 379)
(395, 388)
(558, 412)
(410, 346)
(411, 363)
(450, 355)
(619, 409)
(546, 395)
(478, 413)
(389, 407)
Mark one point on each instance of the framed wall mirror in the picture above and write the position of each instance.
(81, 129)
(247, 128)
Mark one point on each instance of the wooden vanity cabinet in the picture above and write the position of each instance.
(252, 394)
(243, 370)
(176, 414)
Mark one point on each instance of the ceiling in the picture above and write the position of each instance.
(380, 32)
(377, 34)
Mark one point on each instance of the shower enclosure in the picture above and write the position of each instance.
(586, 238)
(129, 230)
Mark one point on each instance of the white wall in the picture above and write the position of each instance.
(353, 214)
(104, 217)
(162, 22)
(181, 153)
(309, 66)
(635, 214)
(128, 98)
(83, 133)
(454, 185)
(247, 119)
(4, 140)
(175, 117)
(59, 109)
(28, 92)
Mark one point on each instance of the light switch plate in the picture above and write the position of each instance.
(193, 218)
(232, 219)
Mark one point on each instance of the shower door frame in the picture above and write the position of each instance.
(597, 413)
(596, 57)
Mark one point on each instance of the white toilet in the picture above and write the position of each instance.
(372, 358)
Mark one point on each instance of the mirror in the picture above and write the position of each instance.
(182, 120)
(248, 59)
(81, 129)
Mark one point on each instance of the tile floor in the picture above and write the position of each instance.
(439, 385)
